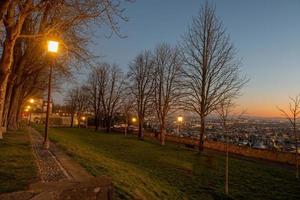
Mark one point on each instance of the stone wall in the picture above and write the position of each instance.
(277, 156)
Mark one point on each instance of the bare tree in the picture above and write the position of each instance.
(167, 68)
(292, 116)
(127, 109)
(81, 102)
(71, 103)
(94, 96)
(141, 85)
(105, 88)
(211, 71)
(228, 119)
(111, 85)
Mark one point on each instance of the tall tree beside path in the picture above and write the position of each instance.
(292, 115)
(141, 86)
(167, 68)
(211, 71)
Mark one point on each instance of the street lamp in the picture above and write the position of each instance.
(52, 48)
(31, 101)
(27, 110)
(133, 120)
(179, 121)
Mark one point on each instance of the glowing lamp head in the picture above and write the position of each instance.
(28, 107)
(83, 118)
(133, 119)
(52, 46)
(31, 100)
(179, 119)
(26, 110)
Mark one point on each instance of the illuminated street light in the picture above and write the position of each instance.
(52, 48)
(28, 107)
(179, 119)
(31, 100)
(83, 118)
(133, 119)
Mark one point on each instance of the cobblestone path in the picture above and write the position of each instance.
(49, 167)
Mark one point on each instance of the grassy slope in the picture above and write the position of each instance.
(146, 169)
(17, 165)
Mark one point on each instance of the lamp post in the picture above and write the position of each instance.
(133, 119)
(52, 49)
(179, 120)
(84, 121)
(31, 101)
(28, 109)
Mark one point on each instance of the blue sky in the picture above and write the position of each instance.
(266, 34)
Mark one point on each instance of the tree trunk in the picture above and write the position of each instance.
(2, 100)
(78, 119)
(296, 154)
(72, 120)
(226, 165)
(202, 131)
(141, 131)
(162, 133)
(126, 126)
(108, 124)
(162, 136)
(96, 122)
(7, 104)
(5, 67)
(13, 110)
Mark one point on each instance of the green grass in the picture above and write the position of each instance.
(147, 170)
(17, 165)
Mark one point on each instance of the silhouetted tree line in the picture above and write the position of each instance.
(197, 75)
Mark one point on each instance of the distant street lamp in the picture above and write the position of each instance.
(133, 120)
(52, 48)
(179, 121)
(27, 109)
(31, 100)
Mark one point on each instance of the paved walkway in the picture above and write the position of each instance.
(54, 164)
(60, 177)
(50, 170)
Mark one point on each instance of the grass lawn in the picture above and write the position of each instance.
(17, 165)
(145, 169)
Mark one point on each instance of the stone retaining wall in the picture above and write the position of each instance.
(277, 156)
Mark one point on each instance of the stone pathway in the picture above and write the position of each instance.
(60, 177)
(50, 170)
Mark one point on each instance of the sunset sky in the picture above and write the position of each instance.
(266, 34)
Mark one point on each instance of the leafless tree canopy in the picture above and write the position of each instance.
(166, 75)
(105, 86)
(211, 70)
(141, 85)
